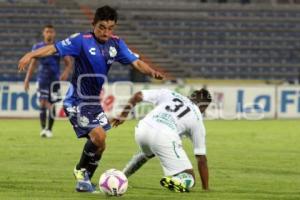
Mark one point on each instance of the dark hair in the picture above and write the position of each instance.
(105, 13)
(48, 26)
(201, 96)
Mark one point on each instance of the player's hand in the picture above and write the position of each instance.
(117, 121)
(158, 75)
(26, 86)
(24, 62)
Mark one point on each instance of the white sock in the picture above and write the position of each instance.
(136, 162)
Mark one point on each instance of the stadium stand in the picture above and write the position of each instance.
(186, 37)
(21, 24)
(223, 41)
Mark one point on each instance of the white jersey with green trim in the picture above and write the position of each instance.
(177, 114)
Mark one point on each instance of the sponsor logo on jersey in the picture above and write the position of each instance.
(92, 51)
(66, 42)
(112, 52)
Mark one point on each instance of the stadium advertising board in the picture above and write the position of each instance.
(288, 102)
(229, 102)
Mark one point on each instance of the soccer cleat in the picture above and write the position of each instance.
(83, 181)
(43, 133)
(49, 134)
(173, 184)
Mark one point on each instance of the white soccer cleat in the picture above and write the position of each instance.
(49, 134)
(43, 133)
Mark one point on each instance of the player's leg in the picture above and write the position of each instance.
(90, 122)
(51, 117)
(97, 137)
(44, 107)
(181, 182)
(54, 97)
(88, 163)
(140, 158)
(174, 161)
(48, 107)
(136, 162)
(43, 95)
(43, 117)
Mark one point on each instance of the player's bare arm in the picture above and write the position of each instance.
(136, 98)
(146, 69)
(41, 52)
(32, 67)
(68, 68)
(203, 170)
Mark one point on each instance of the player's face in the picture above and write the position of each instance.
(49, 34)
(103, 30)
(203, 105)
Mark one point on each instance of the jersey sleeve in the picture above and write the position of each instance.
(34, 47)
(125, 56)
(153, 96)
(70, 46)
(198, 138)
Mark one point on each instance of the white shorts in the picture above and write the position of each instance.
(167, 146)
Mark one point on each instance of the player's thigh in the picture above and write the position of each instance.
(88, 118)
(98, 136)
(171, 154)
(143, 137)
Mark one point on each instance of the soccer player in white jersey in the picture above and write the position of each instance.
(160, 132)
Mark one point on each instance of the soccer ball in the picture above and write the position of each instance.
(113, 182)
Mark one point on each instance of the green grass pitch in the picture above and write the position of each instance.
(247, 160)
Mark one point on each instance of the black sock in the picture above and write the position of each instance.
(93, 164)
(43, 116)
(88, 154)
(51, 117)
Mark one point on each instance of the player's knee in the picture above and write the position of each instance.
(100, 143)
(98, 137)
(43, 106)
